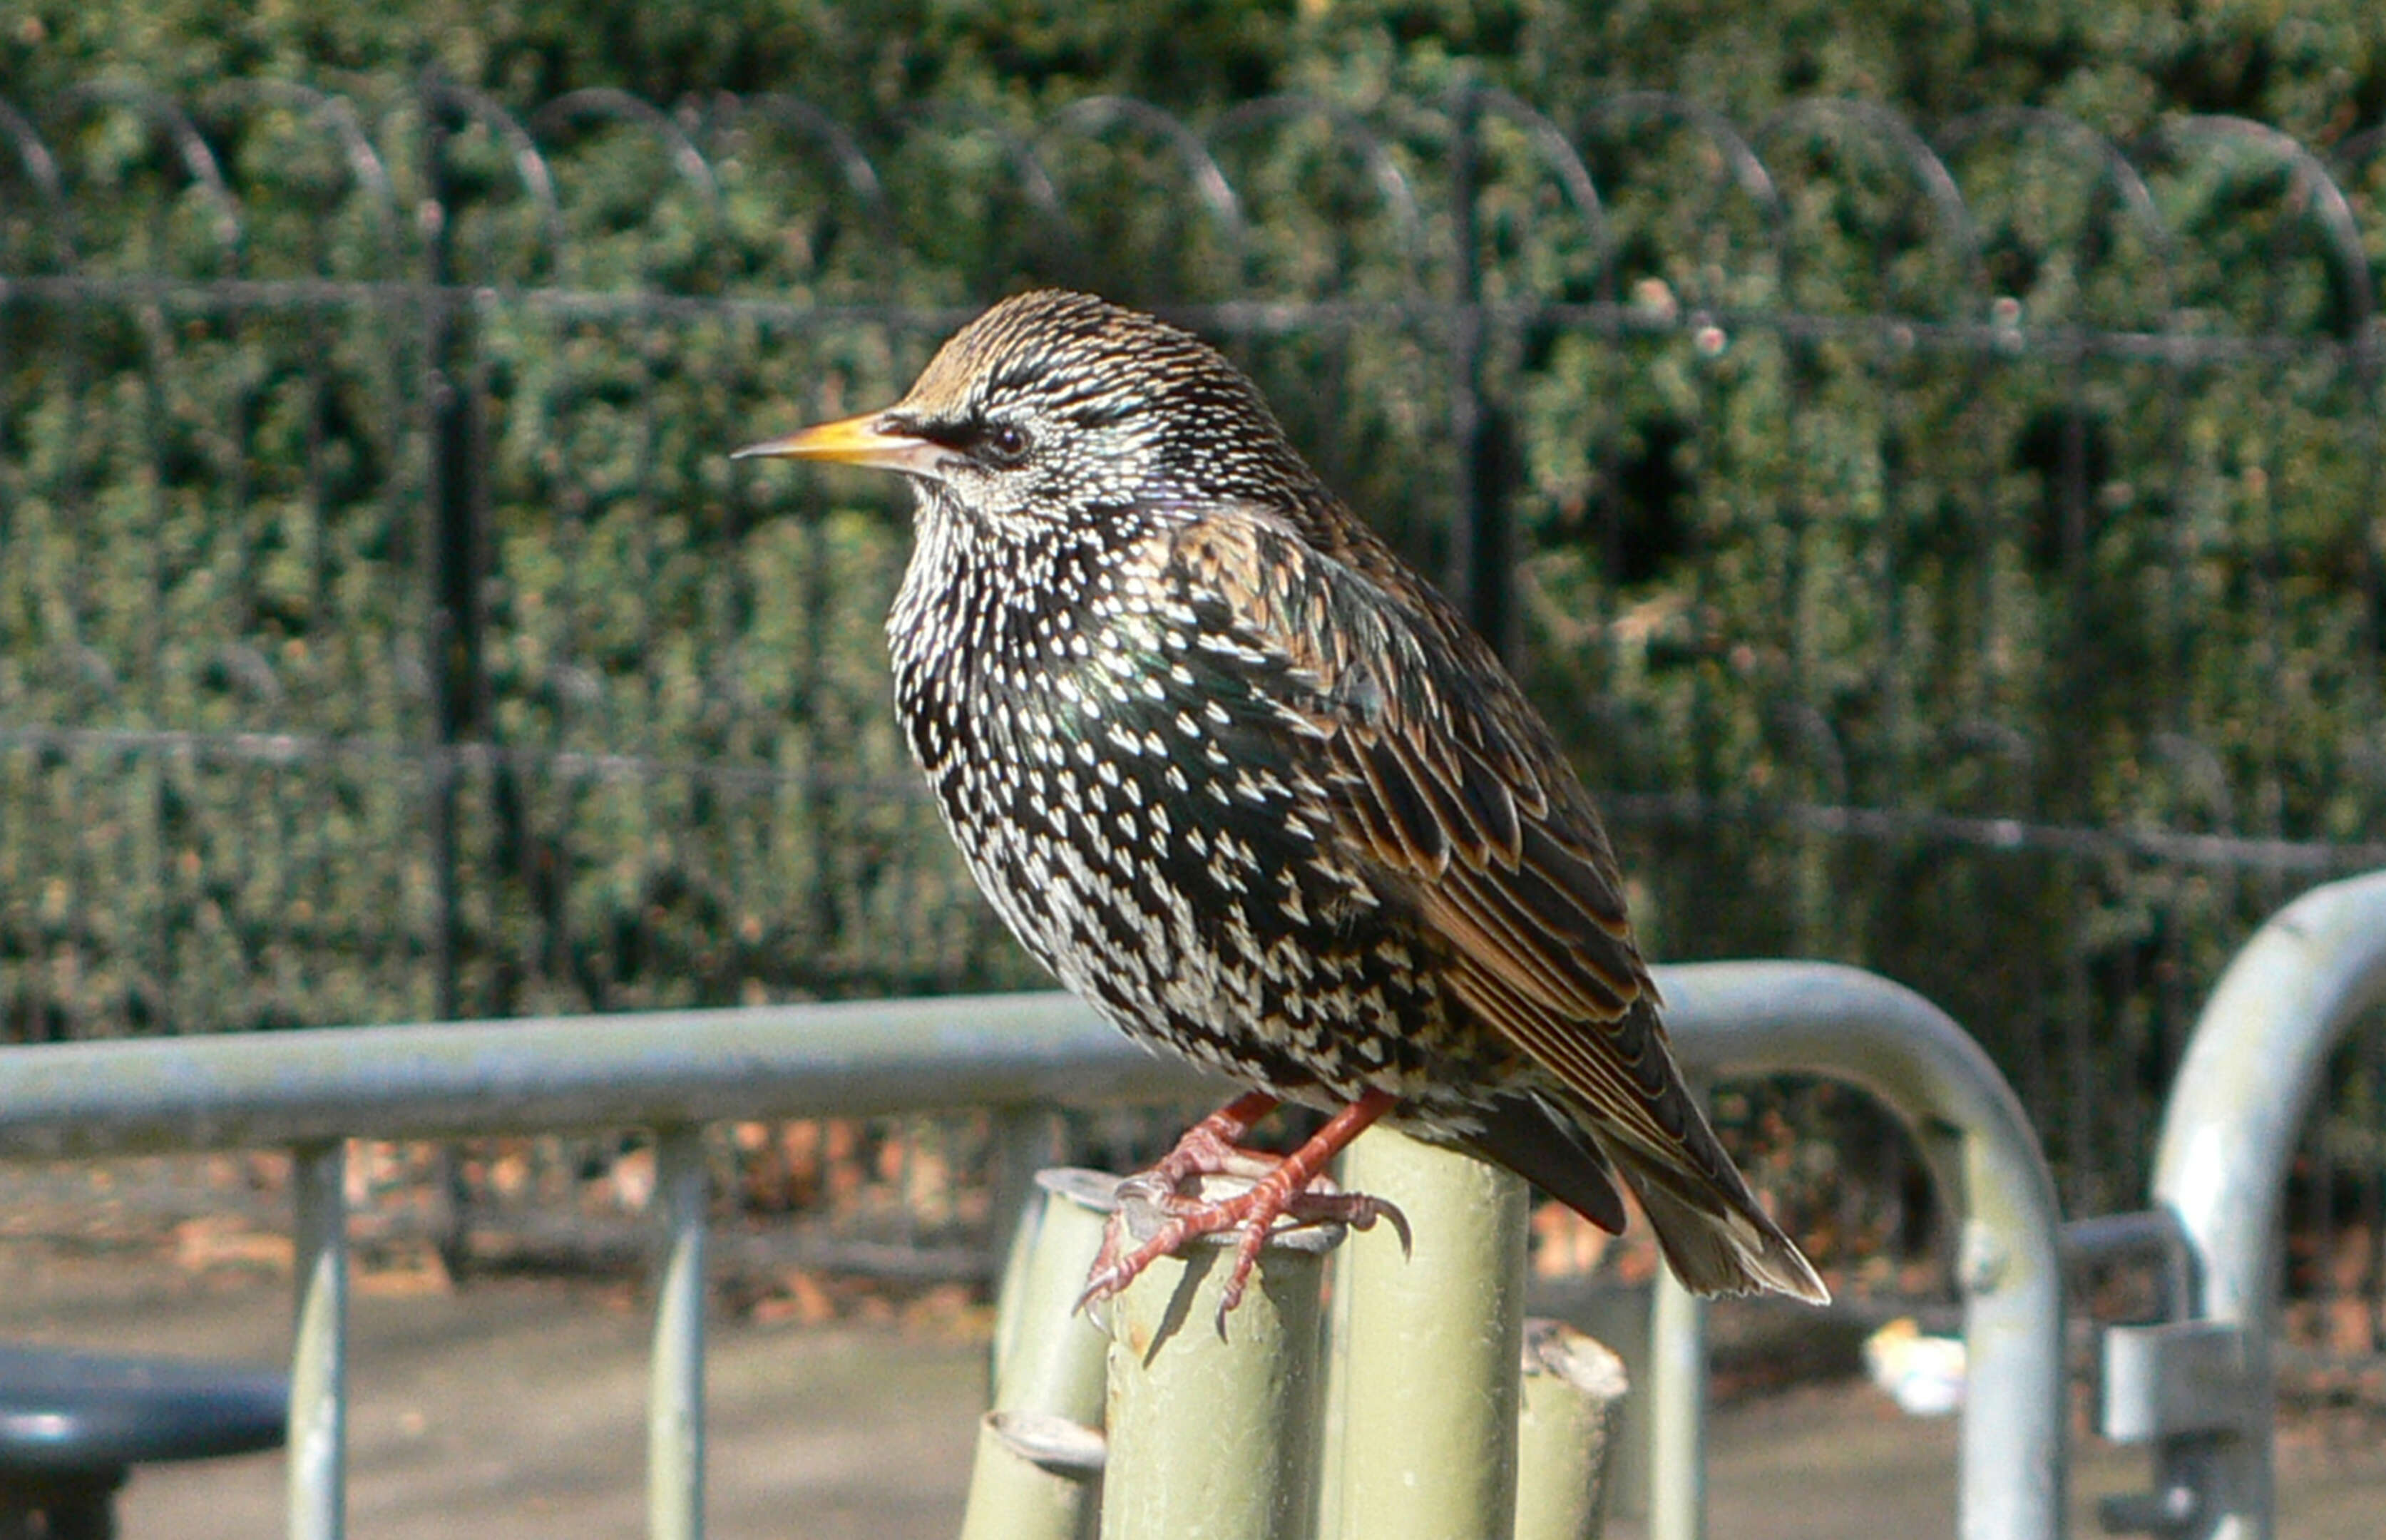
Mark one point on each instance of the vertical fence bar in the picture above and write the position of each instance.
(675, 1368)
(318, 1360)
(2230, 1132)
(1566, 1427)
(1026, 1139)
(449, 641)
(1678, 1397)
(1426, 1348)
(1214, 1434)
(1036, 1475)
(1481, 550)
(1677, 1413)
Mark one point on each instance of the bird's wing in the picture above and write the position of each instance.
(1452, 795)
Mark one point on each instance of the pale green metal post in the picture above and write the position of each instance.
(1038, 1474)
(1677, 1394)
(675, 1367)
(1572, 1389)
(1213, 1435)
(1426, 1349)
(1027, 1140)
(319, 1362)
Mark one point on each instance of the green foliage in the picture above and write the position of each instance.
(451, 667)
(2315, 71)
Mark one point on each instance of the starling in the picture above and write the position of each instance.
(1252, 789)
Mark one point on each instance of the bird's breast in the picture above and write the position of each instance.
(1137, 804)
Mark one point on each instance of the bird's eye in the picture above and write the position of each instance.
(1007, 443)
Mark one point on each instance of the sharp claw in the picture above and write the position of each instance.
(1108, 1275)
(1247, 1257)
(1104, 1282)
(1101, 1279)
(1291, 1189)
(1359, 1210)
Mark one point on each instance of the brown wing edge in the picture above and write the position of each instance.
(1707, 1222)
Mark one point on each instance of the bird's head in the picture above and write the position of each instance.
(1062, 410)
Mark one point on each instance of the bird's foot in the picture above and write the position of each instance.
(1211, 1147)
(1173, 1183)
(1284, 1193)
(1266, 1207)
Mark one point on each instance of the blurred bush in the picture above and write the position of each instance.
(1954, 548)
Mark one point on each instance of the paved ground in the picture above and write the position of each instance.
(1833, 1462)
(515, 1410)
(512, 1409)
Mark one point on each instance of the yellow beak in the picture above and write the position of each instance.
(854, 441)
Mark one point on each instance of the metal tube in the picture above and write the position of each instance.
(652, 1069)
(1678, 1423)
(1426, 1348)
(319, 1359)
(1677, 1411)
(1027, 1140)
(687, 1067)
(2228, 1134)
(675, 1366)
(1212, 1433)
(1037, 1472)
(1565, 1425)
(1772, 1018)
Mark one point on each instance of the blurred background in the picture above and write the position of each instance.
(1927, 466)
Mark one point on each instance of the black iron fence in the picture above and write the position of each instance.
(1956, 552)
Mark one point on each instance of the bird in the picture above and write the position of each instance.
(1248, 784)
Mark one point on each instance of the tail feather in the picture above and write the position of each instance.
(1718, 1242)
(1712, 1234)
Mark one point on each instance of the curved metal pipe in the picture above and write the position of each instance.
(2230, 1131)
(1731, 1018)
(689, 1066)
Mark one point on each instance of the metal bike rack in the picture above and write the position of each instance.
(1776, 1017)
(2200, 1387)
(674, 1072)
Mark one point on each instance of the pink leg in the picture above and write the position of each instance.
(1281, 1191)
(1213, 1146)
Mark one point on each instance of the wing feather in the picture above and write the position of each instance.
(1624, 1102)
(1451, 794)
(1448, 797)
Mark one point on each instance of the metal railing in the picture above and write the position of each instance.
(675, 1072)
(1761, 1018)
(2199, 1387)
(672, 1072)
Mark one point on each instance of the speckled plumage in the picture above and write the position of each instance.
(1243, 782)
